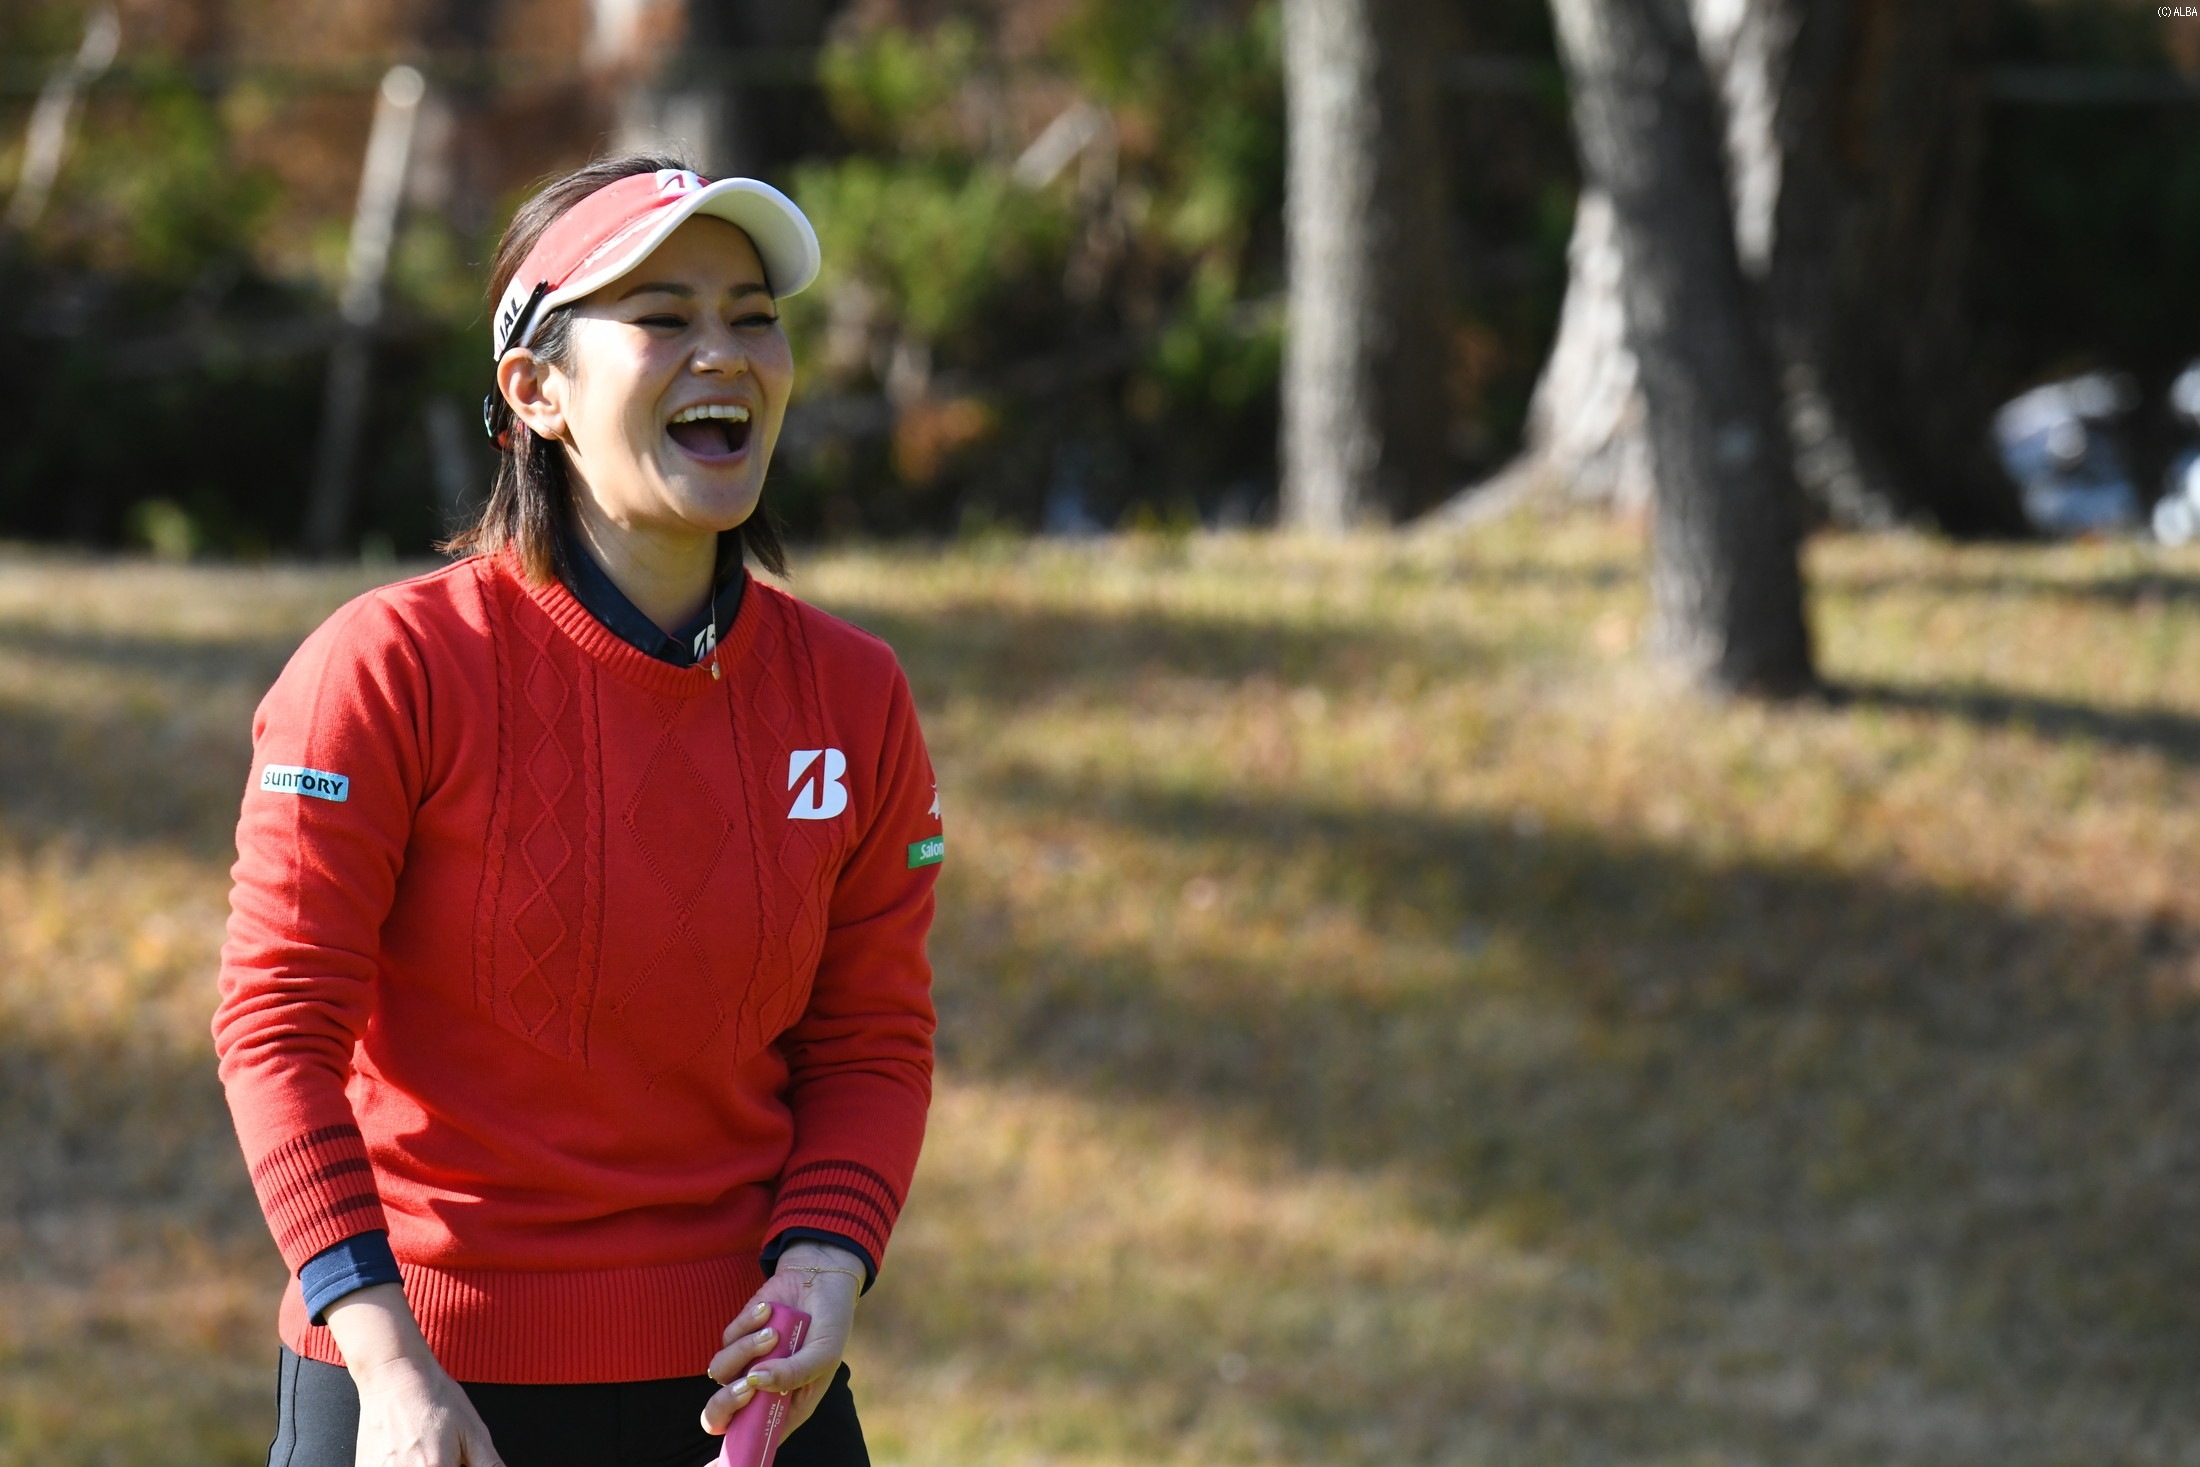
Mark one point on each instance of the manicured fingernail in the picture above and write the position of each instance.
(766, 1336)
(756, 1380)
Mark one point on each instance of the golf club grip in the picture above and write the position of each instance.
(752, 1437)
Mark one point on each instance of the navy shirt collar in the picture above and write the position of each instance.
(608, 604)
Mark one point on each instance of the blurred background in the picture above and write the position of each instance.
(1054, 232)
(1574, 746)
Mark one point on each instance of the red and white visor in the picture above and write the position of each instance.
(614, 229)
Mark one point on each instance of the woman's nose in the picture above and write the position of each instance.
(721, 353)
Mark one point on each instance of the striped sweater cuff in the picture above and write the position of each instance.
(317, 1189)
(842, 1197)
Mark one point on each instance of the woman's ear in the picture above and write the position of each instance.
(535, 391)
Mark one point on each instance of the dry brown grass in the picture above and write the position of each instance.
(1380, 1024)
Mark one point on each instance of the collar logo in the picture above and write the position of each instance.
(817, 774)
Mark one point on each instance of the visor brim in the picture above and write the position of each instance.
(784, 240)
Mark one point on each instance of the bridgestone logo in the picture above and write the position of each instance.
(290, 779)
(927, 852)
(817, 774)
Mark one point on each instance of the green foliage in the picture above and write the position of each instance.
(154, 193)
(1219, 352)
(39, 28)
(892, 89)
(166, 528)
(131, 290)
(1138, 272)
(941, 238)
(163, 359)
(1210, 98)
(433, 271)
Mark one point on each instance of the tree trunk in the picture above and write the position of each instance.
(1904, 138)
(1362, 411)
(456, 153)
(1777, 67)
(1856, 129)
(725, 97)
(1853, 132)
(1584, 436)
(1726, 586)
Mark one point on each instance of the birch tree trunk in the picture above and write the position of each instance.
(1362, 404)
(1584, 438)
(1776, 65)
(1726, 585)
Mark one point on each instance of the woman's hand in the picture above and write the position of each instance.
(411, 1414)
(828, 1296)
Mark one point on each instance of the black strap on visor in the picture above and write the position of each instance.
(493, 399)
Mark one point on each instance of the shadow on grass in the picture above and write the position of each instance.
(108, 1142)
(1919, 1132)
(118, 779)
(137, 1280)
(151, 747)
(2173, 735)
(1610, 575)
(1029, 656)
(2134, 589)
(199, 661)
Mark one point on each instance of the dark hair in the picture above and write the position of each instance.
(532, 491)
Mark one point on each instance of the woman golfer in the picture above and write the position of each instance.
(575, 1005)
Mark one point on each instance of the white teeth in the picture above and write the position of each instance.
(731, 412)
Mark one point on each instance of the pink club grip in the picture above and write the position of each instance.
(752, 1437)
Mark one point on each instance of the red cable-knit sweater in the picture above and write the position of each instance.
(581, 973)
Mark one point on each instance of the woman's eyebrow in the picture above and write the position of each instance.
(687, 292)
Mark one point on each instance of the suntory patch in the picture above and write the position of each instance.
(291, 779)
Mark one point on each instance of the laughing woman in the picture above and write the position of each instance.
(575, 1005)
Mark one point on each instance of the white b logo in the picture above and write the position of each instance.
(823, 795)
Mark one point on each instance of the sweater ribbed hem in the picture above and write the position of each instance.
(499, 1326)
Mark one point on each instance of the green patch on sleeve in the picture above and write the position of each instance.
(927, 852)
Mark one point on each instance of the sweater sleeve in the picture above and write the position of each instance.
(337, 770)
(860, 1058)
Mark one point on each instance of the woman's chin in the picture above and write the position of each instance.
(721, 500)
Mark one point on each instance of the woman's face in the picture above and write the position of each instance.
(675, 386)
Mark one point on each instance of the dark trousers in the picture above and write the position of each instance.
(644, 1423)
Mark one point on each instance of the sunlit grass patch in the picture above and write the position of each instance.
(1112, 1284)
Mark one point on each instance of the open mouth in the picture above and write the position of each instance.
(711, 430)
